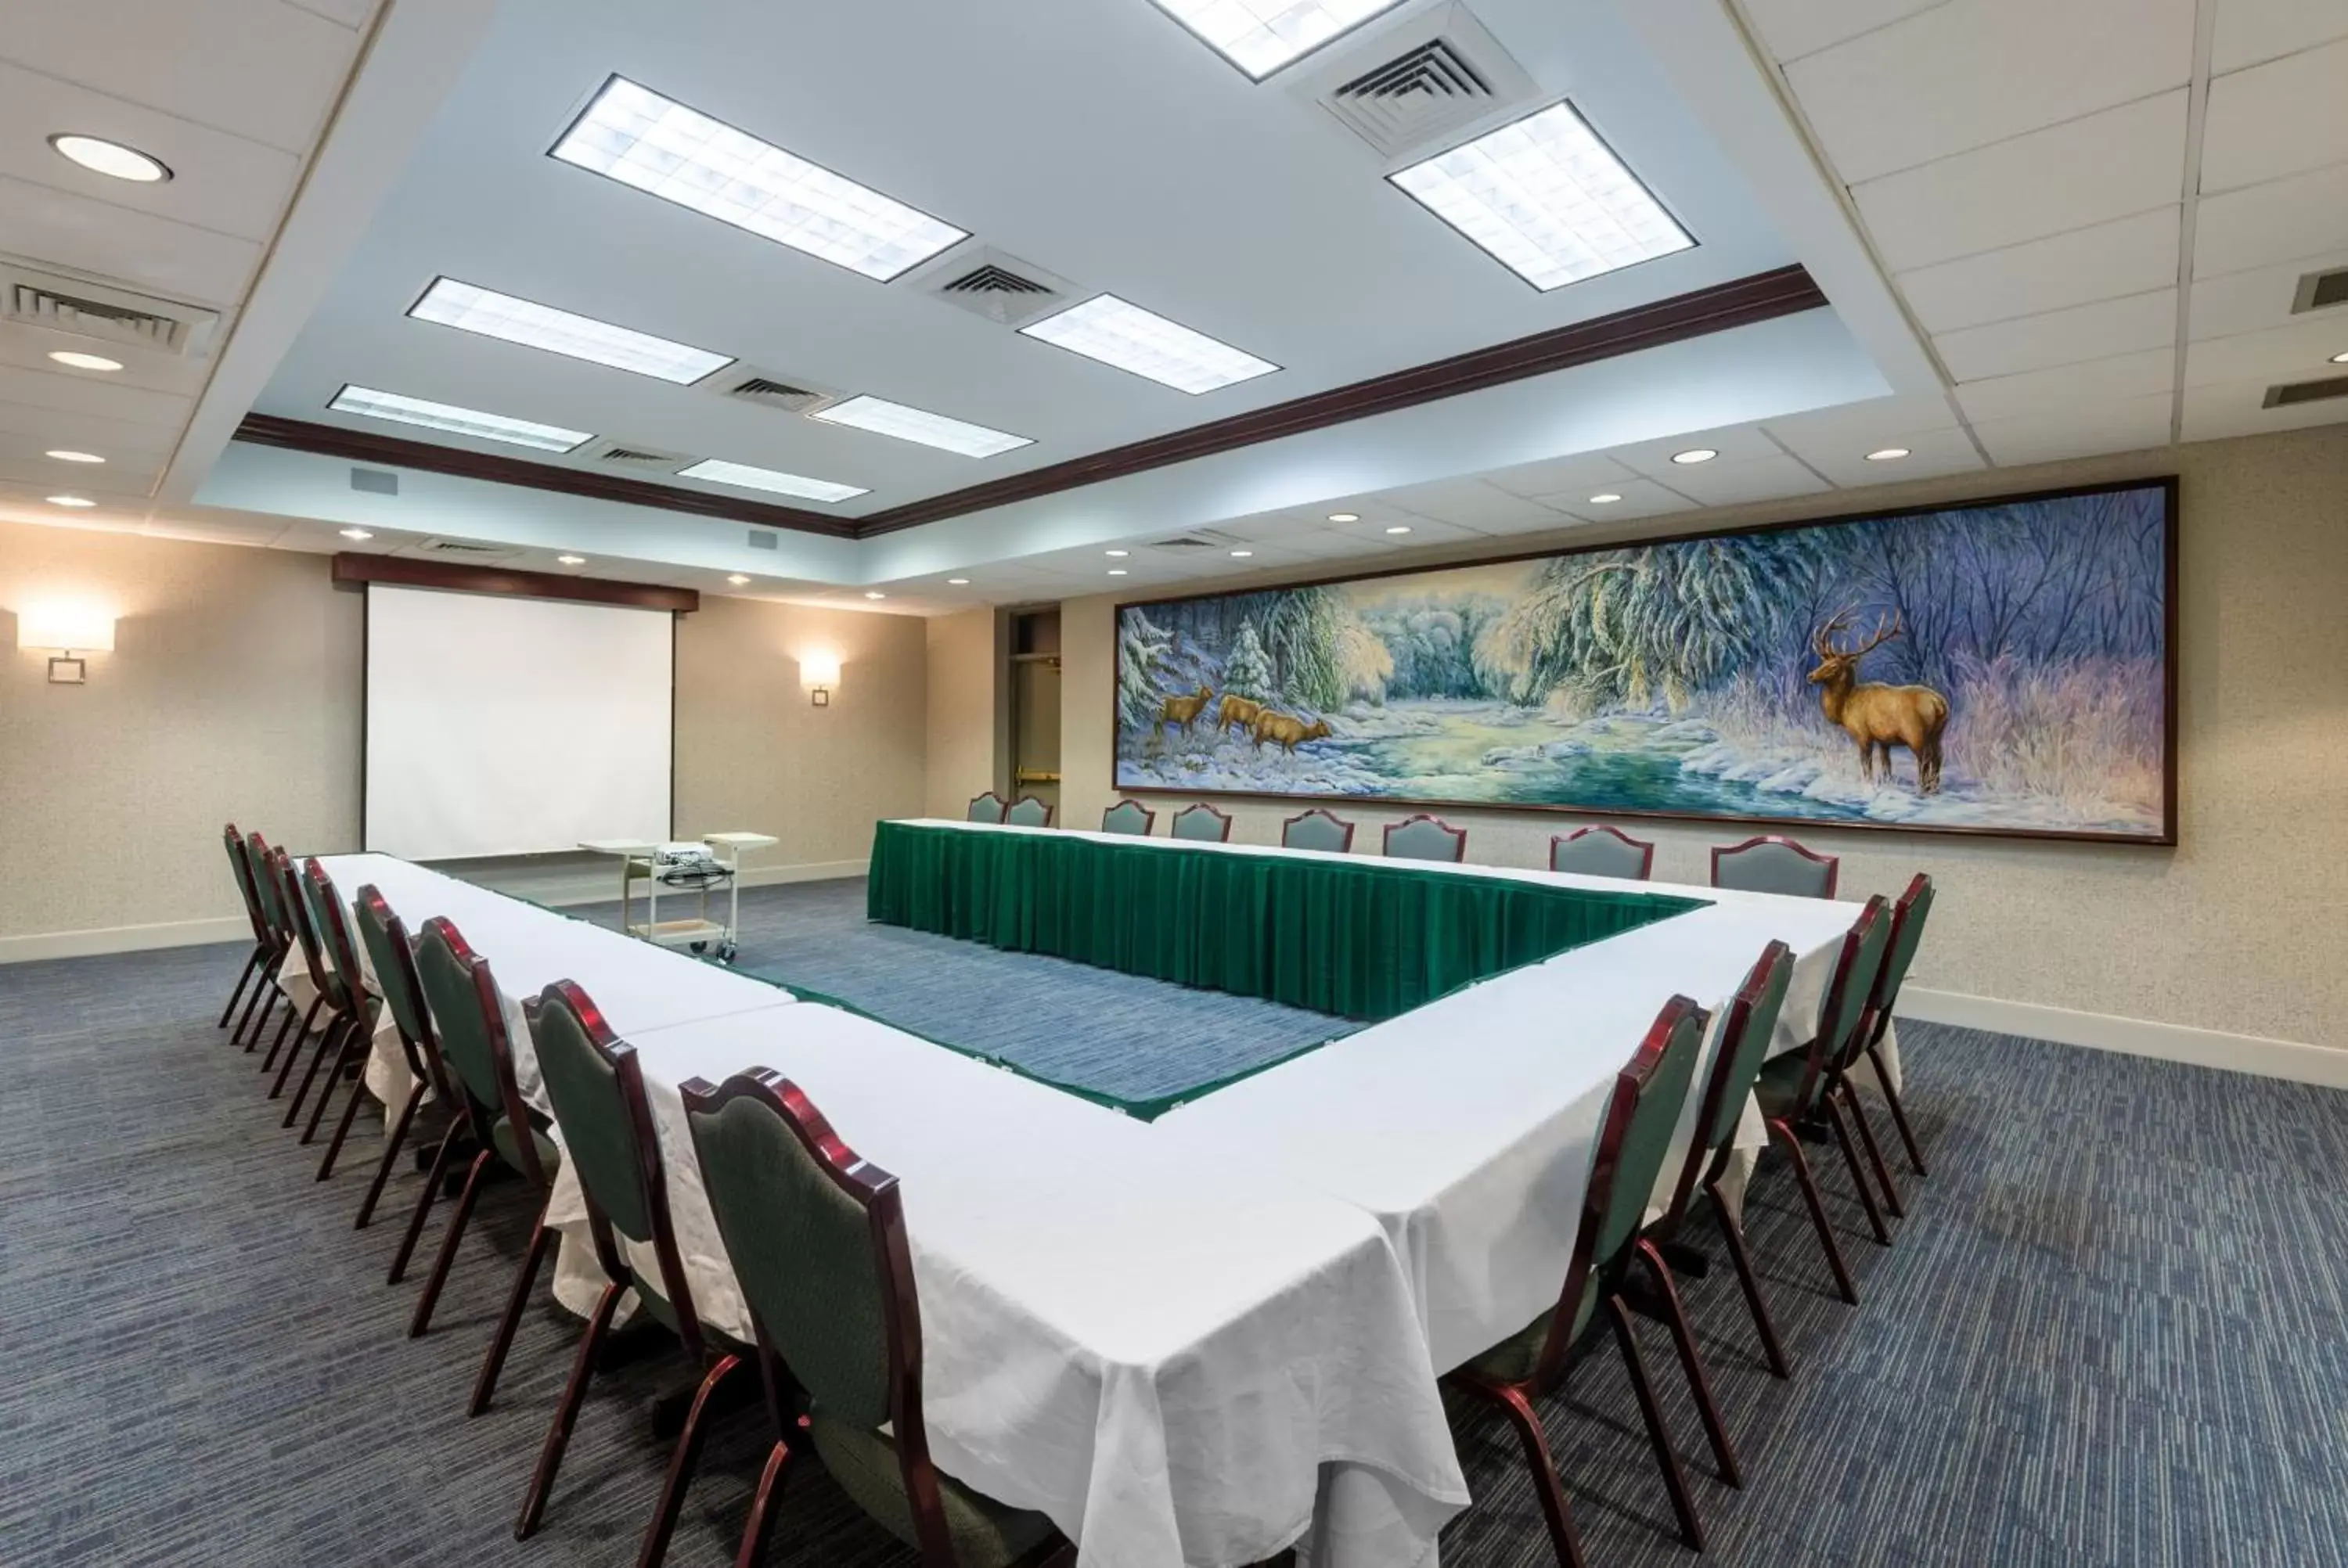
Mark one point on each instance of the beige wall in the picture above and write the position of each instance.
(2238, 929)
(965, 666)
(235, 693)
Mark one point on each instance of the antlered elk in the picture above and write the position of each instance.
(1879, 717)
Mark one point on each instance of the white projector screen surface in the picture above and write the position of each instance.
(497, 726)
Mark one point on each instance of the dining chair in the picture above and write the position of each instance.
(1027, 811)
(323, 993)
(1202, 823)
(1128, 817)
(241, 872)
(597, 1088)
(1317, 829)
(259, 874)
(1803, 1088)
(1771, 863)
(1635, 1136)
(365, 1009)
(1425, 837)
(1601, 851)
(817, 1237)
(987, 808)
(393, 954)
(1746, 1028)
(1907, 933)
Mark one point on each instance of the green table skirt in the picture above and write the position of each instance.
(1360, 938)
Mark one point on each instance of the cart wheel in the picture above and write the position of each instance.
(726, 954)
(700, 947)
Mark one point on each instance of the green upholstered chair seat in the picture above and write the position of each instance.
(1513, 1359)
(1779, 1086)
(986, 1534)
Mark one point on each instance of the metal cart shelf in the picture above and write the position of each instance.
(698, 931)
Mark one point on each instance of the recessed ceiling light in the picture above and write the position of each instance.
(358, 534)
(1116, 571)
(1399, 529)
(484, 310)
(1260, 37)
(875, 596)
(84, 361)
(958, 582)
(640, 138)
(71, 501)
(570, 560)
(1241, 555)
(456, 421)
(742, 476)
(2340, 359)
(1886, 454)
(738, 579)
(1604, 498)
(111, 158)
(883, 417)
(1345, 516)
(1546, 198)
(1116, 332)
(1695, 454)
(63, 455)
(1116, 552)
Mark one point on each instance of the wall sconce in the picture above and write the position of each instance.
(67, 630)
(820, 673)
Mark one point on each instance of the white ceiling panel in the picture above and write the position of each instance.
(2237, 408)
(2127, 425)
(1426, 530)
(1585, 471)
(2126, 256)
(1641, 498)
(1728, 484)
(21, 460)
(45, 425)
(2070, 387)
(2110, 165)
(87, 395)
(1930, 453)
(1792, 28)
(72, 230)
(1829, 435)
(2259, 298)
(1470, 503)
(2285, 116)
(2301, 351)
(2098, 330)
(256, 68)
(146, 370)
(1974, 72)
(2249, 31)
(222, 529)
(349, 13)
(1739, 444)
(2279, 221)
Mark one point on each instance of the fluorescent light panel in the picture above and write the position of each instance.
(457, 421)
(484, 310)
(741, 475)
(1260, 37)
(1114, 332)
(1547, 199)
(883, 417)
(640, 138)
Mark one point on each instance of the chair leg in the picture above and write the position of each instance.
(681, 1464)
(243, 979)
(1658, 1436)
(1526, 1422)
(1899, 1111)
(1792, 1145)
(256, 1012)
(1733, 1235)
(393, 1141)
(486, 1384)
(1874, 1150)
(343, 1123)
(1857, 1176)
(761, 1526)
(325, 1038)
(448, 1254)
(299, 1025)
(440, 1157)
(1715, 1431)
(330, 1047)
(349, 1062)
(566, 1414)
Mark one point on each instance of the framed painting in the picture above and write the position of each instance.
(2002, 666)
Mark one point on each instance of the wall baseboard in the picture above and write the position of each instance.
(2132, 1036)
(124, 940)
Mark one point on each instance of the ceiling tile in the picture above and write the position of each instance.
(2278, 221)
(2110, 165)
(2298, 351)
(1737, 443)
(1426, 530)
(1641, 498)
(1792, 28)
(86, 394)
(2285, 116)
(2125, 425)
(1470, 502)
(2237, 408)
(1827, 436)
(133, 478)
(2249, 31)
(1974, 72)
(45, 426)
(1583, 470)
(174, 259)
(229, 528)
(2153, 371)
(1726, 484)
(2257, 299)
(349, 13)
(2098, 330)
(1929, 452)
(2126, 256)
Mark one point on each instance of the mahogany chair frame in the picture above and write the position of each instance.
(424, 1063)
(1584, 1273)
(1000, 807)
(1833, 863)
(1023, 800)
(1345, 848)
(263, 940)
(1458, 835)
(1149, 817)
(1647, 849)
(1222, 821)
(1879, 1022)
(877, 1193)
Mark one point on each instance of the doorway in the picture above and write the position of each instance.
(1035, 706)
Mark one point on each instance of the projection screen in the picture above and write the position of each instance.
(498, 725)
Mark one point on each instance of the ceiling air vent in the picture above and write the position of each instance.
(2319, 290)
(1420, 87)
(2306, 392)
(619, 456)
(462, 550)
(107, 316)
(763, 540)
(1204, 539)
(1004, 289)
(375, 481)
(790, 394)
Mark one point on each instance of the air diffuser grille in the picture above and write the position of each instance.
(2306, 392)
(1004, 289)
(1446, 78)
(108, 315)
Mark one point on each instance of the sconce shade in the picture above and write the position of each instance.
(818, 670)
(74, 628)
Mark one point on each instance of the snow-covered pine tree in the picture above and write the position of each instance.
(1247, 669)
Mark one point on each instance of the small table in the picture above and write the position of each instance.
(635, 857)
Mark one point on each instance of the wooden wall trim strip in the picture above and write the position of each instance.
(406, 571)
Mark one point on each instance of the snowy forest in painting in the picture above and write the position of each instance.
(1999, 667)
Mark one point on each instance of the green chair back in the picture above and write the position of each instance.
(1745, 1034)
(1426, 838)
(240, 869)
(1317, 829)
(262, 869)
(1845, 1007)
(1202, 823)
(1908, 918)
(1771, 864)
(1675, 1040)
(988, 807)
(394, 965)
(462, 998)
(295, 901)
(1128, 817)
(345, 985)
(1601, 851)
(1028, 812)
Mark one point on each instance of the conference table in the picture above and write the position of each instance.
(1204, 1337)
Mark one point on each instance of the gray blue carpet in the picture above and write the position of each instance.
(2114, 1332)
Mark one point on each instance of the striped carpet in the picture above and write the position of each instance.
(2113, 1333)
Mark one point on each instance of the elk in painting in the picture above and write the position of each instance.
(1183, 711)
(1289, 732)
(1878, 716)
